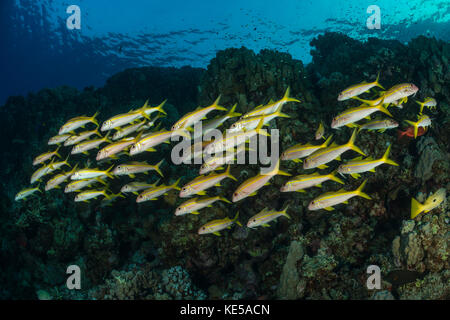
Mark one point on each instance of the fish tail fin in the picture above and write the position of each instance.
(107, 137)
(362, 194)
(384, 110)
(157, 168)
(284, 212)
(377, 81)
(416, 208)
(232, 113)
(97, 132)
(175, 185)
(385, 158)
(333, 177)
(228, 173)
(235, 219)
(351, 143)
(327, 142)
(160, 107)
(367, 102)
(277, 171)
(56, 152)
(107, 172)
(94, 118)
(184, 132)
(287, 98)
(414, 124)
(224, 199)
(216, 104)
(278, 113)
(66, 161)
(260, 130)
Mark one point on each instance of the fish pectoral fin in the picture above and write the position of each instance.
(202, 193)
(150, 150)
(382, 130)
(345, 202)
(252, 194)
(216, 233)
(85, 153)
(319, 185)
(195, 212)
(355, 175)
(300, 190)
(267, 184)
(132, 175)
(322, 166)
(266, 225)
(329, 208)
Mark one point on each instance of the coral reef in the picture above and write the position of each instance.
(130, 251)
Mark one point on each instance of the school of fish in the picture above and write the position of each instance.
(135, 132)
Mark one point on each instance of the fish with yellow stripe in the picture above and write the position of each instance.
(265, 216)
(352, 115)
(78, 122)
(251, 186)
(271, 107)
(398, 94)
(59, 139)
(153, 193)
(123, 132)
(320, 132)
(126, 118)
(215, 226)
(81, 137)
(201, 183)
(357, 89)
(46, 156)
(358, 165)
(155, 138)
(55, 181)
(428, 102)
(379, 124)
(431, 203)
(217, 161)
(304, 181)
(295, 153)
(85, 146)
(88, 173)
(113, 149)
(77, 185)
(423, 121)
(25, 193)
(87, 195)
(134, 167)
(319, 158)
(250, 123)
(195, 116)
(195, 204)
(329, 199)
(209, 125)
(135, 186)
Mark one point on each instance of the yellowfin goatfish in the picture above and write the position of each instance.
(77, 185)
(135, 186)
(81, 137)
(59, 139)
(351, 115)
(251, 186)
(320, 132)
(398, 94)
(84, 147)
(422, 121)
(154, 192)
(26, 192)
(195, 204)
(91, 173)
(234, 139)
(295, 153)
(265, 216)
(124, 118)
(358, 89)
(39, 173)
(271, 107)
(329, 199)
(217, 225)
(134, 167)
(381, 125)
(123, 132)
(216, 162)
(250, 123)
(429, 102)
(432, 202)
(194, 152)
(46, 156)
(112, 149)
(78, 122)
(319, 158)
(209, 125)
(358, 165)
(155, 138)
(201, 183)
(91, 194)
(55, 181)
(305, 181)
(56, 165)
(193, 117)
(149, 110)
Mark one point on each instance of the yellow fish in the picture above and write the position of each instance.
(432, 202)
(265, 216)
(77, 122)
(271, 107)
(45, 156)
(195, 204)
(26, 192)
(358, 89)
(217, 225)
(422, 121)
(320, 131)
(428, 102)
(295, 153)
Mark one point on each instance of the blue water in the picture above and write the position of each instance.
(38, 50)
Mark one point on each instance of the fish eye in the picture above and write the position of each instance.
(235, 194)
